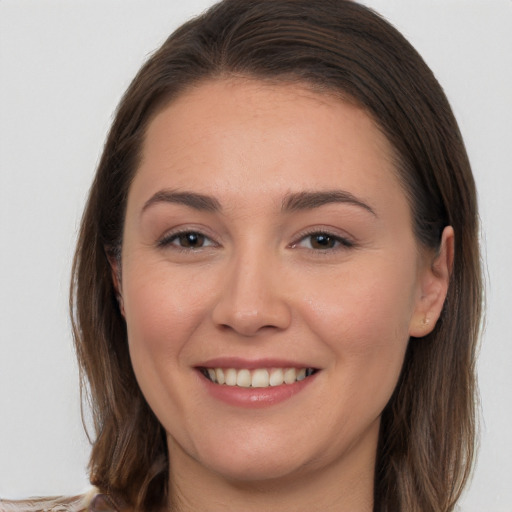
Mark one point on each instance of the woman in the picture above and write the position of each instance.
(276, 288)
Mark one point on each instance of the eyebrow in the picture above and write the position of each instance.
(190, 199)
(310, 200)
(292, 202)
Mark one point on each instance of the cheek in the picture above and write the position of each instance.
(161, 314)
(366, 300)
(160, 304)
(364, 318)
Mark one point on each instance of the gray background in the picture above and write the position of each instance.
(63, 66)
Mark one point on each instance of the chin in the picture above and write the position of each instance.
(257, 469)
(251, 458)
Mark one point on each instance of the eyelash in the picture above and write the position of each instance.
(340, 243)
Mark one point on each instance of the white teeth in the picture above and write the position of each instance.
(243, 379)
(276, 377)
(290, 376)
(231, 377)
(219, 376)
(259, 378)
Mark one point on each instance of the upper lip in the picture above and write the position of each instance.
(251, 364)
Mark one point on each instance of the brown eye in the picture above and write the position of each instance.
(191, 240)
(322, 241)
(186, 240)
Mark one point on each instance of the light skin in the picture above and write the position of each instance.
(269, 224)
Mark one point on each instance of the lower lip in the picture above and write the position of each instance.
(255, 397)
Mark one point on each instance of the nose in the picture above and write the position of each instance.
(252, 298)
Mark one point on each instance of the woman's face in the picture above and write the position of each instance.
(268, 244)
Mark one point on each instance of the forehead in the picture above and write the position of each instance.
(244, 102)
(229, 135)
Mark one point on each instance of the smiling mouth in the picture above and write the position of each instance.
(257, 378)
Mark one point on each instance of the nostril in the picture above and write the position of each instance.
(249, 305)
(252, 322)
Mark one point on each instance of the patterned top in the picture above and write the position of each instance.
(91, 501)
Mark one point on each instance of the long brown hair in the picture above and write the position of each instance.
(427, 436)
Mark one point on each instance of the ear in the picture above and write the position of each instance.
(115, 269)
(434, 282)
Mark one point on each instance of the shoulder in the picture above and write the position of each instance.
(88, 502)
